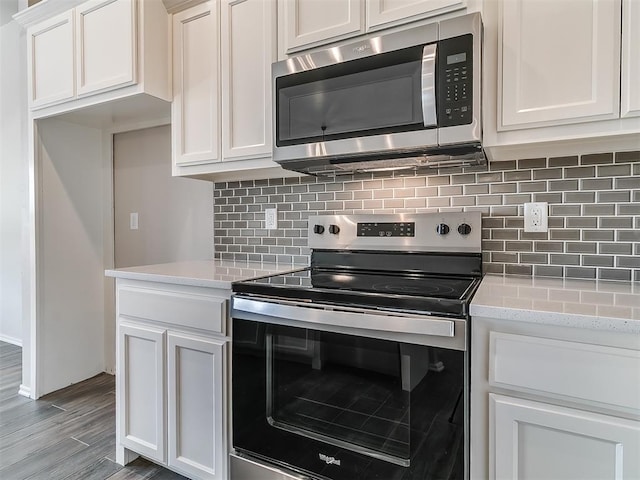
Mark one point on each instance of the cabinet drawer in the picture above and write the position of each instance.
(183, 309)
(594, 373)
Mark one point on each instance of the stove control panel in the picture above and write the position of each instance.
(386, 229)
(427, 232)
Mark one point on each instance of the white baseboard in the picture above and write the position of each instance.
(24, 391)
(11, 340)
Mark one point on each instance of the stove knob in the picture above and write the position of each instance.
(464, 229)
(442, 229)
(334, 229)
(319, 229)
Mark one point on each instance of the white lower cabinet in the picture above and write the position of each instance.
(140, 389)
(171, 377)
(535, 441)
(553, 403)
(195, 404)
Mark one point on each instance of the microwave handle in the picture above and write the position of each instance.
(429, 113)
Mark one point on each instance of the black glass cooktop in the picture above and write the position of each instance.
(433, 294)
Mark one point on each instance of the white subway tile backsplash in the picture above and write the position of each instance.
(594, 207)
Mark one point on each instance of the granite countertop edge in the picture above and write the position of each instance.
(201, 273)
(576, 303)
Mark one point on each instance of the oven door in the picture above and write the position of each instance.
(339, 405)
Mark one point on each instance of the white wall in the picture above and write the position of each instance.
(175, 215)
(72, 174)
(13, 170)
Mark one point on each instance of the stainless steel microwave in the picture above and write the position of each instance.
(408, 99)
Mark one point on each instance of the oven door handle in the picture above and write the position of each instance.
(345, 317)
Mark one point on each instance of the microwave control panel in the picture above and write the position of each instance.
(455, 81)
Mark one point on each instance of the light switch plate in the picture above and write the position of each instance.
(133, 221)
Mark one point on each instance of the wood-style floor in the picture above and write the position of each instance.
(68, 434)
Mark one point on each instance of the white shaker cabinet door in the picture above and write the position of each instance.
(50, 56)
(315, 22)
(196, 405)
(558, 62)
(380, 12)
(248, 46)
(538, 441)
(105, 45)
(630, 59)
(195, 109)
(140, 389)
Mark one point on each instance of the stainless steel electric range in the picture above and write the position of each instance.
(357, 367)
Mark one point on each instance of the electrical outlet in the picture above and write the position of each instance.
(536, 217)
(270, 218)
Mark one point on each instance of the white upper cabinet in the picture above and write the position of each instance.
(309, 22)
(312, 23)
(559, 62)
(50, 56)
(382, 12)
(630, 59)
(195, 109)
(560, 77)
(102, 50)
(105, 46)
(248, 49)
(221, 114)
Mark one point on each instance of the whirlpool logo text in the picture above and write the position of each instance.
(329, 460)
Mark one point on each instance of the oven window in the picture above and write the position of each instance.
(372, 96)
(375, 397)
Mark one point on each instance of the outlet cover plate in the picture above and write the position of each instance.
(270, 218)
(536, 217)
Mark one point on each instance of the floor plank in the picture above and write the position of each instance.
(98, 470)
(66, 435)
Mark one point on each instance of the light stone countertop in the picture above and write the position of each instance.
(594, 304)
(201, 273)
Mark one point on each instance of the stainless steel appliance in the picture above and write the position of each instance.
(357, 366)
(408, 99)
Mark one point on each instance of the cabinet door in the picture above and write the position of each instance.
(559, 62)
(537, 441)
(630, 59)
(105, 45)
(196, 433)
(50, 56)
(140, 396)
(380, 12)
(248, 46)
(315, 22)
(195, 110)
